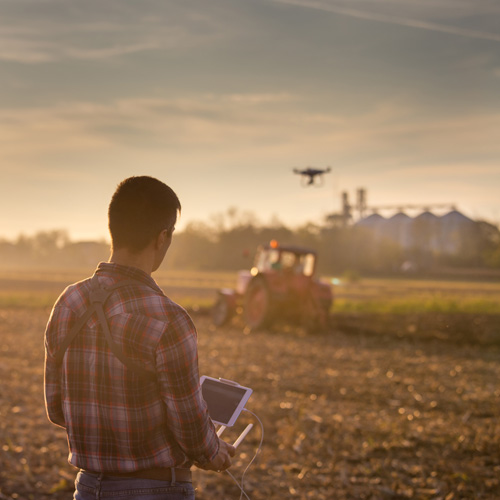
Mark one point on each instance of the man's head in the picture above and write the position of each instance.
(141, 208)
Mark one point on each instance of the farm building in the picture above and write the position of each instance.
(446, 234)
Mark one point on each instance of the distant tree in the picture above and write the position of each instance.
(488, 246)
(47, 244)
(193, 248)
(232, 218)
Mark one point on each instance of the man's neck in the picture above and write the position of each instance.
(142, 260)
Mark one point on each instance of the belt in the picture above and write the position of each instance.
(158, 474)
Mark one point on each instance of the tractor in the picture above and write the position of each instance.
(280, 286)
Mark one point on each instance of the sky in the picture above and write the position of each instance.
(222, 99)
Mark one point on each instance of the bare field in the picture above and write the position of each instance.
(380, 407)
(197, 288)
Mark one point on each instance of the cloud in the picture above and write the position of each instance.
(33, 32)
(261, 98)
(206, 123)
(386, 15)
(238, 128)
(35, 52)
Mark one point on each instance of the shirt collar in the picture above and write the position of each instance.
(127, 272)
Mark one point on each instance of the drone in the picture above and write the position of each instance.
(309, 176)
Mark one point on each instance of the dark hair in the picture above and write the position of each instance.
(140, 209)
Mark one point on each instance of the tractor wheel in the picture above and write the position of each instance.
(257, 305)
(222, 312)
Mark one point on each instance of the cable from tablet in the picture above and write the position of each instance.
(237, 442)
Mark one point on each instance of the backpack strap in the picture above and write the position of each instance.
(98, 297)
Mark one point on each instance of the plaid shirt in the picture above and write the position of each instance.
(115, 420)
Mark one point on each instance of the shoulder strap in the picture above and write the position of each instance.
(98, 297)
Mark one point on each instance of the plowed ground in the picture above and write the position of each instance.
(376, 408)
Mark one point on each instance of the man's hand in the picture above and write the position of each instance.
(222, 461)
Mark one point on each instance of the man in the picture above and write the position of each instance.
(121, 364)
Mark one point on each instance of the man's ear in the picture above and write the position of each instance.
(164, 237)
(160, 240)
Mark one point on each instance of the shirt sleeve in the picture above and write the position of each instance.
(52, 376)
(178, 376)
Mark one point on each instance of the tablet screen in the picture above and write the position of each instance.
(224, 401)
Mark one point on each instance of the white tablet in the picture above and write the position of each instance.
(225, 399)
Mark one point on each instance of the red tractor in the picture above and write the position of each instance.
(281, 285)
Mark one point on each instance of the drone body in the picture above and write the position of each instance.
(309, 175)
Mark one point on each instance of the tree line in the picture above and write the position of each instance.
(229, 240)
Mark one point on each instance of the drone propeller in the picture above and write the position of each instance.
(319, 180)
(305, 181)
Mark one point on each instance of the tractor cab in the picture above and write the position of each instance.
(287, 259)
(284, 268)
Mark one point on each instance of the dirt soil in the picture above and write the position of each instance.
(377, 408)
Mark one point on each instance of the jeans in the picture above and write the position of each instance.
(94, 487)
